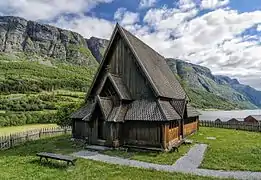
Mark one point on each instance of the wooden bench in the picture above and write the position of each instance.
(68, 159)
(175, 147)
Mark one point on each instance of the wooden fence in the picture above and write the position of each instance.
(15, 139)
(232, 125)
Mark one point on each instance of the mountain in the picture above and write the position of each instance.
(199, 80)
(252, 94)
(97, 47)
(58, 55)
(20, 38)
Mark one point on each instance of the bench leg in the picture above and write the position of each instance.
(41, 159)
(175, 149)
(46, 159)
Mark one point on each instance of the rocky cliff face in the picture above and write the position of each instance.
(32, 39)
(97, 47)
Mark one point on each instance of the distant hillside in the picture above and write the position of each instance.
(65, 60)
(205, 88)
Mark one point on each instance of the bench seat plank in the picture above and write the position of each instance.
(56, 156)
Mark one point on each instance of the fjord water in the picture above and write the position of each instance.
(226, 115)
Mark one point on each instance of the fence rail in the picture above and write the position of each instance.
(232, 125)
(15, 139)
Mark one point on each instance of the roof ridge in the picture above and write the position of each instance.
(142, 42)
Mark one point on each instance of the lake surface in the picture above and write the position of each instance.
(226, 115)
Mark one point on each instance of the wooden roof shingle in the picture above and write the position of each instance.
(120, 86)
(84, 112)
(144, 110)
(106, 105)
(256, 117)
(168, 110)
(113, 117)
(153, 65)
(156, 68)
(179, 106)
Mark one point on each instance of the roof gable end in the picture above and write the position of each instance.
(152, 64)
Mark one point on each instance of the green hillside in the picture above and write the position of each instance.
(33, 92)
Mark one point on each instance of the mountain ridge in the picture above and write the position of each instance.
(22, 39)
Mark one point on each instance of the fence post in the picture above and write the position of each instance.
(65, 130)
(27, 136)
(40, 133)
(11, 141)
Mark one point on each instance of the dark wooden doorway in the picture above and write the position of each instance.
(101, 132)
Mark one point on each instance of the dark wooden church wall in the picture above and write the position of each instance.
(122, 63)
(142, 133)
(81, 129)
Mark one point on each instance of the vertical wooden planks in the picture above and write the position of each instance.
(255, 127)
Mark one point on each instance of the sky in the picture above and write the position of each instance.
(223, 35)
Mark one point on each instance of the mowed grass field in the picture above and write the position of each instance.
(16, 129)
(231, 150)
(20, 163)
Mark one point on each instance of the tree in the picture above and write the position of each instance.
(63, 114)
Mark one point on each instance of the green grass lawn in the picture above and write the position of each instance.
(153, 157)
(16, 129)
(231, 150)
(20, 163)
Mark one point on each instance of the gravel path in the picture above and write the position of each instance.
(193, 158)
(186, 164)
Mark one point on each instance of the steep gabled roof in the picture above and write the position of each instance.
(179, 106)
(144, 110)
(155, 67)
(151, 110)
(256, 117)
(106, 105)
(84, 112)
(168, 110)
(120, 87)
(152, 64)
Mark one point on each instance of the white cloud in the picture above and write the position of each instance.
(258, 28)
(213, 4)
(46, 9)
(186, 4)
(212, 40)
(87, 26)
(165, 18)
(147, 3)
(126, 17)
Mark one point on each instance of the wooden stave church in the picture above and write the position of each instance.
(134, 100)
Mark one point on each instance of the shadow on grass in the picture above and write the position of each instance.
(58, 144)
(51, 164)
